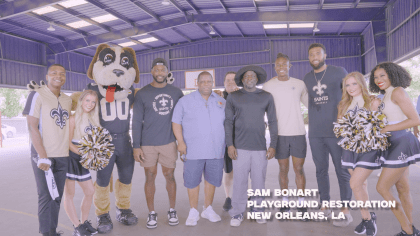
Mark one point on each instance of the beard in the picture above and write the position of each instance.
(320, 64)
(160, 82)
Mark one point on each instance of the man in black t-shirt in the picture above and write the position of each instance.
(324, 93)
(153, 138)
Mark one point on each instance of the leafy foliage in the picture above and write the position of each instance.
(11, 101)
(413, 67)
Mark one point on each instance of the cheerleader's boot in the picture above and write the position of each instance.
(122, 196)
(102, 203)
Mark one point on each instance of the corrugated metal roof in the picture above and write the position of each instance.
(126, 8)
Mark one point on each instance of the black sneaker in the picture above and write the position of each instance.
(104, 223)
(172, 218)
(81, 230)
(371, 228)
(361, 228)
(303, 210)
(416, 232)
(284, 209)
(90, 228)
(228, 204)
(151, 221)
(403, 233)
(126, 216)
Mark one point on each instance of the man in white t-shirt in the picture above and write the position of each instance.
(288, 93)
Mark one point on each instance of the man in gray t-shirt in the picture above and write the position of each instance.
(324, 93)
(153, 139)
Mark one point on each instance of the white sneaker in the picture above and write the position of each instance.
(261, 221)
(236, 220)
(208, 213)
(193, 217)
(343, 222)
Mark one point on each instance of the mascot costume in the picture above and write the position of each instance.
(114, 71)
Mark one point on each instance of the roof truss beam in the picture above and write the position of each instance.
(33, 30)
(56, 23)
(112, 12)
(192, 6)
(14, 8)
(341, 28)
(160, 38)
(82, 17)
(356, 3)
(240, 31)
(177, 6)
(321, 4)
(223, 5)
(140, 43)
(204, 29)
(181, 34)
(349, 14)
(145, 9)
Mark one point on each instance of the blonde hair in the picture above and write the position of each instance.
(346, 99)
(92, 116)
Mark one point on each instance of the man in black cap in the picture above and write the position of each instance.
(153, 138)
(246, 109)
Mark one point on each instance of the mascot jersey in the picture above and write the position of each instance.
(114, 116)
(53, 114)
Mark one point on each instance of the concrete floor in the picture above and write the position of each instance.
(18, 203)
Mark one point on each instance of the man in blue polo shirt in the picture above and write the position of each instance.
(197, 123)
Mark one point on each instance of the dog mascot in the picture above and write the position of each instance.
(114, 71)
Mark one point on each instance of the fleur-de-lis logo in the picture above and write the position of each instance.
(354, 110)
(319, 87)
(402, 157)
(377, 160)
(381, 107)
(61, 115)
(163, 102)
(89, 128)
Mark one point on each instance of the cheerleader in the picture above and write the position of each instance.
(360, 165)
(390, 79)
(86, 116)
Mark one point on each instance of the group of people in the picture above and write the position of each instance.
(221, 136)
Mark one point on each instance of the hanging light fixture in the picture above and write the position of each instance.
(166, 2)
(51, 28)
(316, 29)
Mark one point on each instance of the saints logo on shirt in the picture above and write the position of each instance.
(163, 104)
(319, 88)
(61, 114)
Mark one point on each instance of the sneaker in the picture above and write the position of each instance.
(208, 213)
(303, 210)
(151, 220)
(126, 217)
(403, 233)
(327, 213)
(193, 217)
(261, 221)
(416, 232)
(104, 223)
(237, 220)
(59, 233)
(81, 230)
(172, 218)
(371, 228)
(228, 204)
(343, 222)
(361, 228)
(90, 228)
(284, 209)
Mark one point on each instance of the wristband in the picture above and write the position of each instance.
(44, 161)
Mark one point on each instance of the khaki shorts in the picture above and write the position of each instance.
(166, 155)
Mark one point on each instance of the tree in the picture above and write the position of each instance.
(413, 67)
(11, 103)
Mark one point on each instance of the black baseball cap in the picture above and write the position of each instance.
(159, 61)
